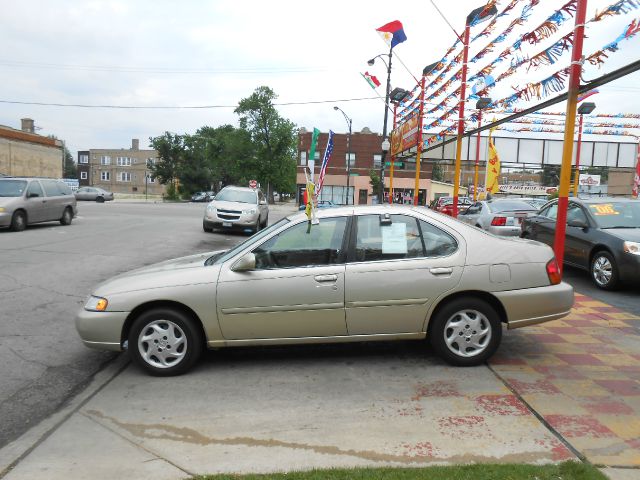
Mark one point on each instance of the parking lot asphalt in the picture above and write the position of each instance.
(568, 389)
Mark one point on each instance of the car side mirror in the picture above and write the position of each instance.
(577, 222)
(32, 195)
(245, 263)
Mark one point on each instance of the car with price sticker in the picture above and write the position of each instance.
(602, 237)
(363, 273)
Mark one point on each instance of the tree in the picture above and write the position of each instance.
(170, 148)
(374, 179)
(550, 176)
(273, 139)
(70, 169)
(437, 174)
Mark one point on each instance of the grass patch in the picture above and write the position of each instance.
(562, 471)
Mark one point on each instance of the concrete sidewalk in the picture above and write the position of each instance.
(541, 400)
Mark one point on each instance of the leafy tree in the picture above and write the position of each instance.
(70, 167)
(437, 174)
(170, 148)
(374, 179)
(550, 176)
(273, 139)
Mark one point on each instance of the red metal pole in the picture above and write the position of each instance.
(578, 148)
(463, 91)
(416, 190)
(567, 148)
(393, 157)
(475, 177)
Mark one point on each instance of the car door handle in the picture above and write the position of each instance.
(325, 278)
(441, 271)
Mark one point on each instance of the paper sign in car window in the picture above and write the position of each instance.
(394, 238)
(604, 209)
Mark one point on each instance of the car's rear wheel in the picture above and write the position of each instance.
(100, 199)
(165, 342)
(18, 221)
(67, 217)
(466, 331)
(604, 271)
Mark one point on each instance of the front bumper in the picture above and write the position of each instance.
(5, 219)
(529, 306)
(629, 267)
(101, 330)
(242, 221)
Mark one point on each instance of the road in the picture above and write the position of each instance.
(47, 273)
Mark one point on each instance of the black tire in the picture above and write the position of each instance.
(266, 221)
(99, 199)
(67, 217)
(18, 221)
(187, 342)
(604, 271)
(450, 322)
(206, 229)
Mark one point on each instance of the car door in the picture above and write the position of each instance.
(85, 193)
(543, 225)
(263, 206)
(397, 267)
(296, 289)
(54, 201)
(35, 202)
(578, 240)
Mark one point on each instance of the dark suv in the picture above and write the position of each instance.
(24, 201)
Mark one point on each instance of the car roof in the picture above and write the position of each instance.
(602, 200)
(366, 210)
(245, 189)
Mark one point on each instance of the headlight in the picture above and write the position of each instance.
(1, 209)
(632, 248)
(249, 212)
(96, 304)
(211, 208)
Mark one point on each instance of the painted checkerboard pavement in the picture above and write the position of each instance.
(582, 375)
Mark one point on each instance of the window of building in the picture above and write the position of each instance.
(105, 160)
(124, 161)
(105, 176)
(303, 158)
(377, 160)
(83, 175)
(151, 179)
(124, 176)
(151, 161)
(316, 156)
(351, 158)
(84, 158)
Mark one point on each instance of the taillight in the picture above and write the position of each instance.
(499, 221)
(553, 271)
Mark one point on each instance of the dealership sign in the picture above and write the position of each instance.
(405, 136)
(533, 190)
(589, 180)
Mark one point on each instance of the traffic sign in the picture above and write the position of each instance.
(253, 183)
(395, 164)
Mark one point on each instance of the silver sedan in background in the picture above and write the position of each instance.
(501, 216)
(93, 194)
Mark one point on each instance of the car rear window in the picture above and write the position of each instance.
(12, 188)
(509, 206)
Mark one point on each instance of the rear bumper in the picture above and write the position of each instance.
(536, 305)
(510, 231)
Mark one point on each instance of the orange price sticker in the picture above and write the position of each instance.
(604, 209)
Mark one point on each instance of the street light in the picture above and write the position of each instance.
(386, 116)
(585, 109)
(396, 96)
(481, 104)
(349, 122)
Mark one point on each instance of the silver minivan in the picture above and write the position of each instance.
(24, 201)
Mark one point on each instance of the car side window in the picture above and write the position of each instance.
(438, 243)
(575, 212)
(34, 187)
(550, 212)
(63, 188)
(473, 209)
(50, 188)
(399, 239)
(304, 245)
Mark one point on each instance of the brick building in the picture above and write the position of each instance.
(119, 170)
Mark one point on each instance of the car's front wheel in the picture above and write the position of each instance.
(18, 221)
(206, 229)
(466, 331)
(604, 271)
(165, 342)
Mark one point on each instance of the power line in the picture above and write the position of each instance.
(167, 107)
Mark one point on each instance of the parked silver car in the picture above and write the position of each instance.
(239, 208)
(94, 194)
(363, 273)
(24, 201)
(500, 217)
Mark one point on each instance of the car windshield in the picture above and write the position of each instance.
(509, 206)
(224, 256)
(616, 214)
(12, 188)
(242, 196)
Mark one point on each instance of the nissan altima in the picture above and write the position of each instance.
(364, 273)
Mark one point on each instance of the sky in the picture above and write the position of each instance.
(203, 53)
